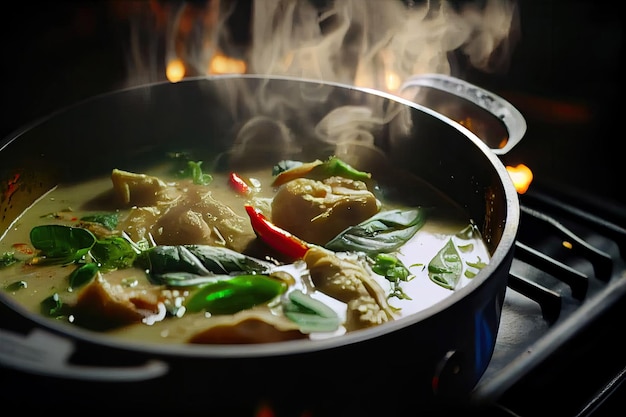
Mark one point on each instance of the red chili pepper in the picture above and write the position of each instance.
(239, 184)
(279, 239)
(24, 248)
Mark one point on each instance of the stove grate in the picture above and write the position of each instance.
(568, 274)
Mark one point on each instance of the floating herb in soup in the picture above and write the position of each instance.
(293, 250)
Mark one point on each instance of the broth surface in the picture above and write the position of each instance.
(67, 203)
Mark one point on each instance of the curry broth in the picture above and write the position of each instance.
(72, 201)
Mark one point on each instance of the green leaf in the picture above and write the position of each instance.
(193, 170)
(83, 274)
(16, 285)
(384, 232)
(52, 306)
(187, 265)
(7, 258)
(108, 220)
(446, 266)
(61, 244)
(310, 314)
(235, 294)
(114, 253)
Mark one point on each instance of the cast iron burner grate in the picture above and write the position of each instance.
(568, 274)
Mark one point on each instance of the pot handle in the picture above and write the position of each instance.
(43, 353)
(489, 103)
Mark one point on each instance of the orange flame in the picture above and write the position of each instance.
(175, 70)
(522, 176)
(222, 64)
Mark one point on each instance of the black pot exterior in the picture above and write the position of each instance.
(432, 360)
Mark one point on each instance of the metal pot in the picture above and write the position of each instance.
(429, 360)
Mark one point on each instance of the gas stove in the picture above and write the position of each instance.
(563, 307)
(559, 341)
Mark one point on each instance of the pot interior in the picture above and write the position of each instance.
(249, 120)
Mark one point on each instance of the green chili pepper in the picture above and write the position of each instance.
(286, 171)
(236, 294)
(336, 167)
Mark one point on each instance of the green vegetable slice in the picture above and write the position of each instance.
(446, 266)
(392, 268)
(235, 294)
(334, 166)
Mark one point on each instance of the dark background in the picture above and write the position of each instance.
(565, 76)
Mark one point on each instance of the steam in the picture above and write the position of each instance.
(367, 43)
(375, 44)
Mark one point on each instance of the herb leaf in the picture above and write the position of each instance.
(310, 314)
(108, 220)
(185, 265)
(384, 232)
(7, 258)
(446, 266)
(114, 253)
(83, 274)
(61, 244)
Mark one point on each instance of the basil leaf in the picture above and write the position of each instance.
(108, 220)
(16, 285)
(61, 244)
(235, 294)
(310, 314)
(446, 266)
(7, 258)
(114, 253)
(193, 170)
(384, 232)
(184, 265)
(52, 306)
(82, 275)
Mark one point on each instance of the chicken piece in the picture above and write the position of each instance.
(364, 312)
(187, 213)
(317, 211)
(110, 301)
(248, 326)
(346, 279)
(137, 189)
(139, 222)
